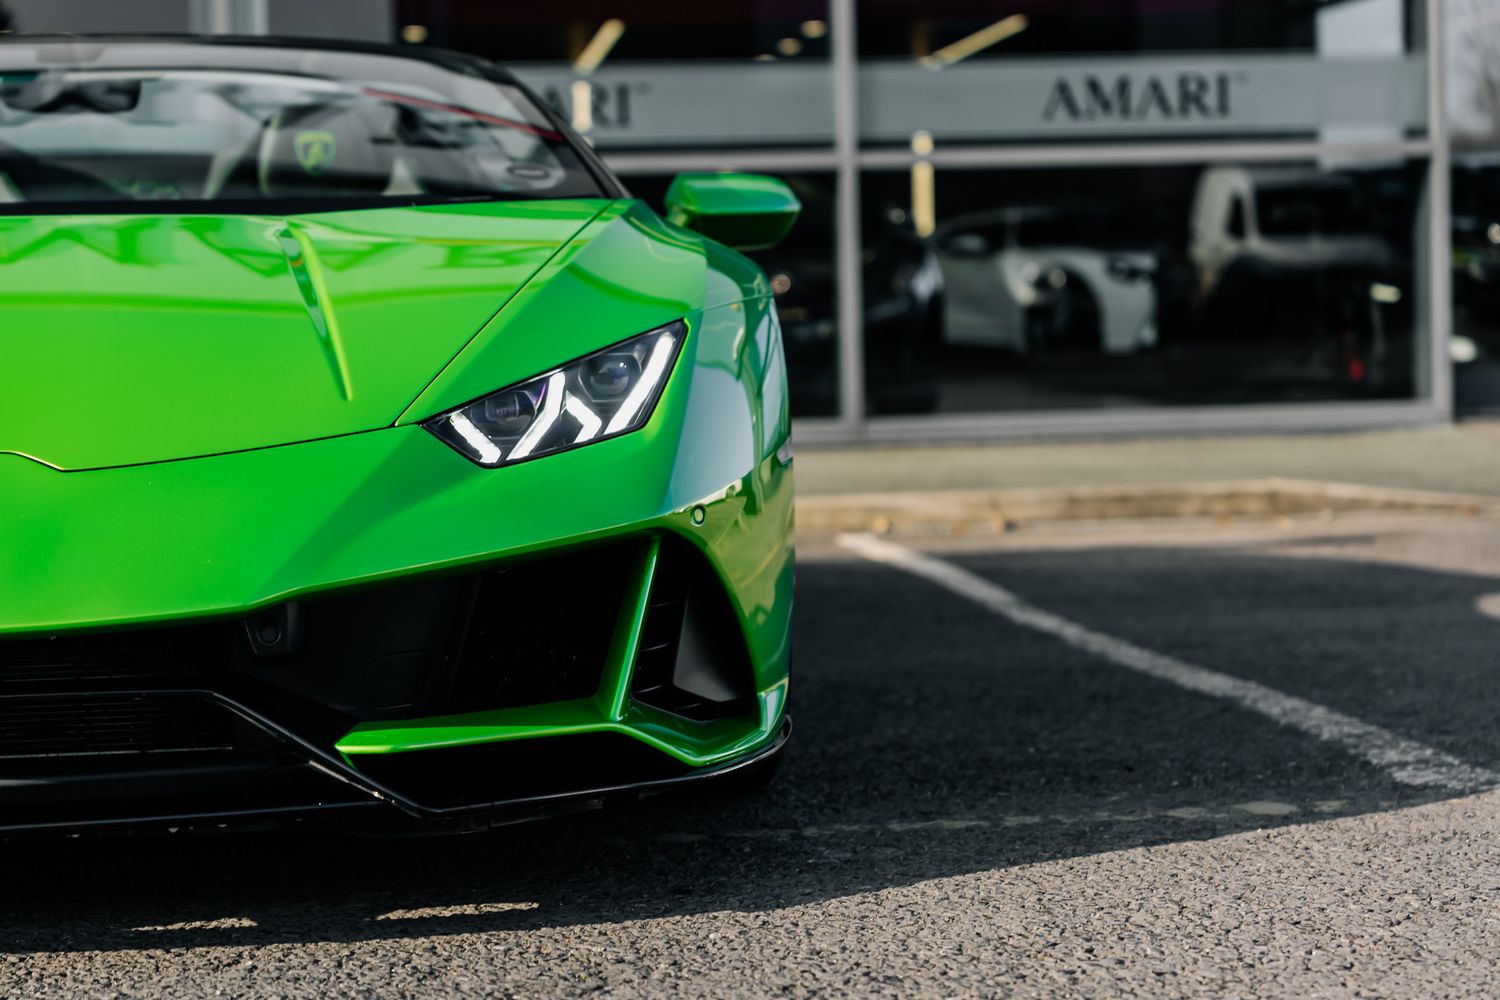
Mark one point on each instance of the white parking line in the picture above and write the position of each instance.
(461, 910)
(224, 923)
(1407, 761)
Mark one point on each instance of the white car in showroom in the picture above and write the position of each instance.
(1036, 279)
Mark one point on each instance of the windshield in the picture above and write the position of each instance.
(150, 124)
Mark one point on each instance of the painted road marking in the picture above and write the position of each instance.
(1489, 604)
(225, 923)
(1407, 761)
(461, 910)
(1265, 808)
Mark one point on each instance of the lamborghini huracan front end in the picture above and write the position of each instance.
(365, 447)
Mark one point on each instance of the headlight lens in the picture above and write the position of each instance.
(605, 394)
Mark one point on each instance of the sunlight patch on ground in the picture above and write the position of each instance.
(459, 910)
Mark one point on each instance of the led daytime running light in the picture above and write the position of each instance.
(599, 396)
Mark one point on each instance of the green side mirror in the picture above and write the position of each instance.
(745, 211)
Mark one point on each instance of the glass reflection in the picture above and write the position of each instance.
(996, 28)
(1476, 282)
(584, 32)
(1168, 285)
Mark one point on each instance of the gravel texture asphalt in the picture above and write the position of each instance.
(969, 808)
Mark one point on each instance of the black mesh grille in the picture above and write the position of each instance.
(46, 728)
(70, 660)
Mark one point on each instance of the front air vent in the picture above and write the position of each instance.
(541, 630)
(67, 660)
(112, 725)
(692, 659)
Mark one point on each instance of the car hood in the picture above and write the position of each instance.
(131, 339)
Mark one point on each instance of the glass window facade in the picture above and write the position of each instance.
(918, 28)
(1061, 70)
(1476, 283)
(1166, 285)
(1068, 206)
(656, 74)
(1033, 214)
(656, 31)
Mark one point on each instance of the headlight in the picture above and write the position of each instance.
(605, 394)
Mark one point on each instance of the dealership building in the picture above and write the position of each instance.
(1026, 218)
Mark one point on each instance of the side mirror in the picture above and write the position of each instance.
(744, 211)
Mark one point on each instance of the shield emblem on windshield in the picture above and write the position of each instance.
(315, 152)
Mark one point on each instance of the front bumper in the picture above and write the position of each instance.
(372, 621)
(443, 696)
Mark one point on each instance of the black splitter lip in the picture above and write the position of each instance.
(377, 795)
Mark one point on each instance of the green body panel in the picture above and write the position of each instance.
(626, 271)
(246, 525)
(744, 211)
(145, 338)
(699, 744)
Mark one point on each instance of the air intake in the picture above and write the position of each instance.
(108, 726)
(692, 659)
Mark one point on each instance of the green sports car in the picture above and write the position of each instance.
(365, 448)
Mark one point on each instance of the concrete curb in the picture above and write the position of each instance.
(1007, 509)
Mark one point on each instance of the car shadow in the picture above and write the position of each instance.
(933, 740)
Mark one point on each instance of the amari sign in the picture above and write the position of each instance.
(790, 104)
(1180, 96)
(1040, 99)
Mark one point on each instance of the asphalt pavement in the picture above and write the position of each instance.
(981, 799)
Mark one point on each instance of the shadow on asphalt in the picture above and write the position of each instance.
(932, 740)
